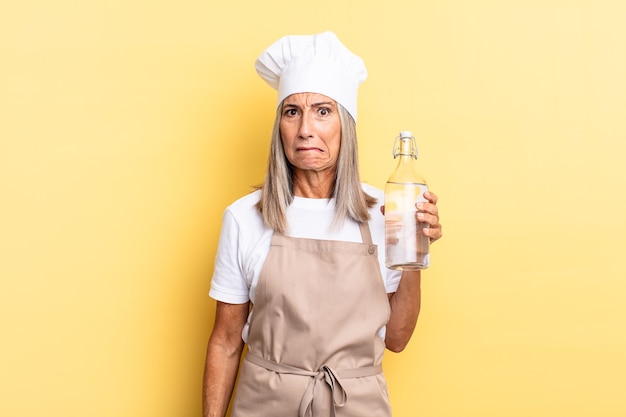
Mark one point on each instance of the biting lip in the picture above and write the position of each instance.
(309, 149)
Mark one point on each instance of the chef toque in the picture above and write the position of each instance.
(313, 64)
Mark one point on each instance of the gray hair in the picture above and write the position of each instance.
(277, 190)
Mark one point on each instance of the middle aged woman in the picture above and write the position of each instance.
(299, 272)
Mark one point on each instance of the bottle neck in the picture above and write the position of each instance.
(405, 148)
(405, 151)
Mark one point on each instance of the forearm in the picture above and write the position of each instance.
(219, 378)
(405, 308)
(222, 358)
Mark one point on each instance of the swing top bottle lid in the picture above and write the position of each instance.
(405, 145)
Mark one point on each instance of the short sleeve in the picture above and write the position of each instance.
(392, 279)
(229, 284)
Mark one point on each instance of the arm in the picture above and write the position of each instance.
(222, 358)
(405, 302)
(405, 308)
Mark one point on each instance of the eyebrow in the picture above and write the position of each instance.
(321, 103)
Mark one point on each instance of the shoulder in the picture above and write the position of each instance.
(244, 241)
(244, 211)
(245, 203)
(242, 222)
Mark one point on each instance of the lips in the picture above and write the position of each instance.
(309, 149)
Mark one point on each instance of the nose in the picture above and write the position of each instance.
(305, 129)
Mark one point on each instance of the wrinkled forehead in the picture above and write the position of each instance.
(308, 100)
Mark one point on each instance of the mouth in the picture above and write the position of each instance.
(305, 149)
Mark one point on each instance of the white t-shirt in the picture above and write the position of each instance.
(245, 242)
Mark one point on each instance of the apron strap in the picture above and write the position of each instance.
(312, 394)
(366, 235)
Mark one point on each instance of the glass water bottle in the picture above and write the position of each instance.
(406, 248)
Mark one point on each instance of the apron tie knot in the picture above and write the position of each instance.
(311, 404)
(313, 394)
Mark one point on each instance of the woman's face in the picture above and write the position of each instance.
(310, 129)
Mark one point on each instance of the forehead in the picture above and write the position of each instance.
(308, 99)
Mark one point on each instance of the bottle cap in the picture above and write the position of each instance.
(406, 134)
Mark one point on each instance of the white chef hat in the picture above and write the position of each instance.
(313, 64)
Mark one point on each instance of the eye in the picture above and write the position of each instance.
(290, 112)
(324, 111)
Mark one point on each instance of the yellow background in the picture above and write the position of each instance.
(127, 127)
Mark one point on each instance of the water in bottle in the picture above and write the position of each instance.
(406, 248)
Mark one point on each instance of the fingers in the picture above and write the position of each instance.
(428, 208)
(430, 220)
(431, 197)
(433, 232)
(433, 228)
(429, 213)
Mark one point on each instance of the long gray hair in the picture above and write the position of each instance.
(277, 190)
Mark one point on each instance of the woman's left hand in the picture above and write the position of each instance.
(429, 213)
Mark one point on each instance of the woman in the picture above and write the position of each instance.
(298, 273)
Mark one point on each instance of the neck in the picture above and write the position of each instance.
(313, 184)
